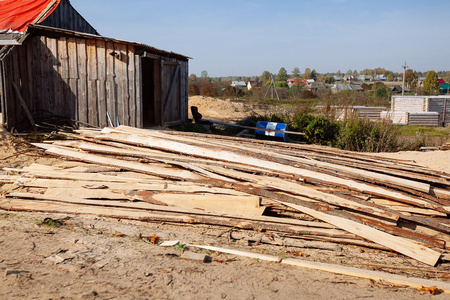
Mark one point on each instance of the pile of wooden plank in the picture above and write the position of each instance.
(312, 193)
(371, 113)
(420, 110)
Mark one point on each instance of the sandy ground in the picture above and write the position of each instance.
(436, 160)
(219, 110)
(87, 257)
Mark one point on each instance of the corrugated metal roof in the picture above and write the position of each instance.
(40, 28)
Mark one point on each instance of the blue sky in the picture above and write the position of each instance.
(245, 38)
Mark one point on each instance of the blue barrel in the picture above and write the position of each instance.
(262, 134)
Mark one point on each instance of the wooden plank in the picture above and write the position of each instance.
(82, 82)
(401, 245)
(24, 106)
(338, 269)
(302, 190)
(247, 205)
(127, 186)
(139, 99)
(153, 139)
(169, 101)
(132, 73)
(101, 83)
(93, 110)
(111, 95)
(121, 80)
(129, 165)
(151, 216)
(300, 224)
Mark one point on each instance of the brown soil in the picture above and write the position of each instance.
(87, 257)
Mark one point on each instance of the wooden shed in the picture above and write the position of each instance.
(65, 71)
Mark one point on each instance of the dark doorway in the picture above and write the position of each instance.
(148, 92)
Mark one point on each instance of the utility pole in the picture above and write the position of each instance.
(404, 72)
(272, 87)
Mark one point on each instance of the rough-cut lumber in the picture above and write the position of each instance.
(151, 216)
(247, 205)
(324, 166)
(160, 143)
(130, 165)
(302, 190)
(152, 207)
(337, 269)
(401, 245)
(129, 187)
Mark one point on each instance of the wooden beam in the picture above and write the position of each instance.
(338, 269)
(401, 245)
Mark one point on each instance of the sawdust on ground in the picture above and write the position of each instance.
(90, 257)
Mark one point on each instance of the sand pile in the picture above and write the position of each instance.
(219, 110)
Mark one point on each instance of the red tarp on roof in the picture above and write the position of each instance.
(17, 14)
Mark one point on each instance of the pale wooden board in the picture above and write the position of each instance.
(337, 269)
(160, 143)
(248, 205)
(399, 244)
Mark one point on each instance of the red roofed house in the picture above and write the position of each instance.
(54, 66)
(296, 81)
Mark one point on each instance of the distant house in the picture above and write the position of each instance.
(296, 81)
(365, 78)
(253, 84)
(395, 89)
(356, 87)
(349, 78)
(238, 84)
(337, 78)
(316, 87)
(444, 88)
(441, 81)
(310, 81)
(381, 77)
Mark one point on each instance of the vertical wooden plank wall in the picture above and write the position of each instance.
(66, 17)
(184, 71)
(79, 79)
(82, 81)
(101, 83)
(121, 77)
(73, 77)
(139, 103)
(110, 85)
(131, 86)
(92, 82)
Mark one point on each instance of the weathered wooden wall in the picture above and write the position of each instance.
(174, 91)
(66, 17)
(73, 78)
(79, 79)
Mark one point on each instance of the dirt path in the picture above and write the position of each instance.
(95, 258)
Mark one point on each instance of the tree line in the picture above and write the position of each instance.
(222, 86)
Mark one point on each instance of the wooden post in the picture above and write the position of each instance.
(445, 112)
(25, 108)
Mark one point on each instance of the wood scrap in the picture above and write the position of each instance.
(320, 183)
(337, 269)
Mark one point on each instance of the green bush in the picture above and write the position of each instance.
(367, 136)
(321, 130)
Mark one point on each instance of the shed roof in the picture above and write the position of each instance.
(52, 31)
(17, 15)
